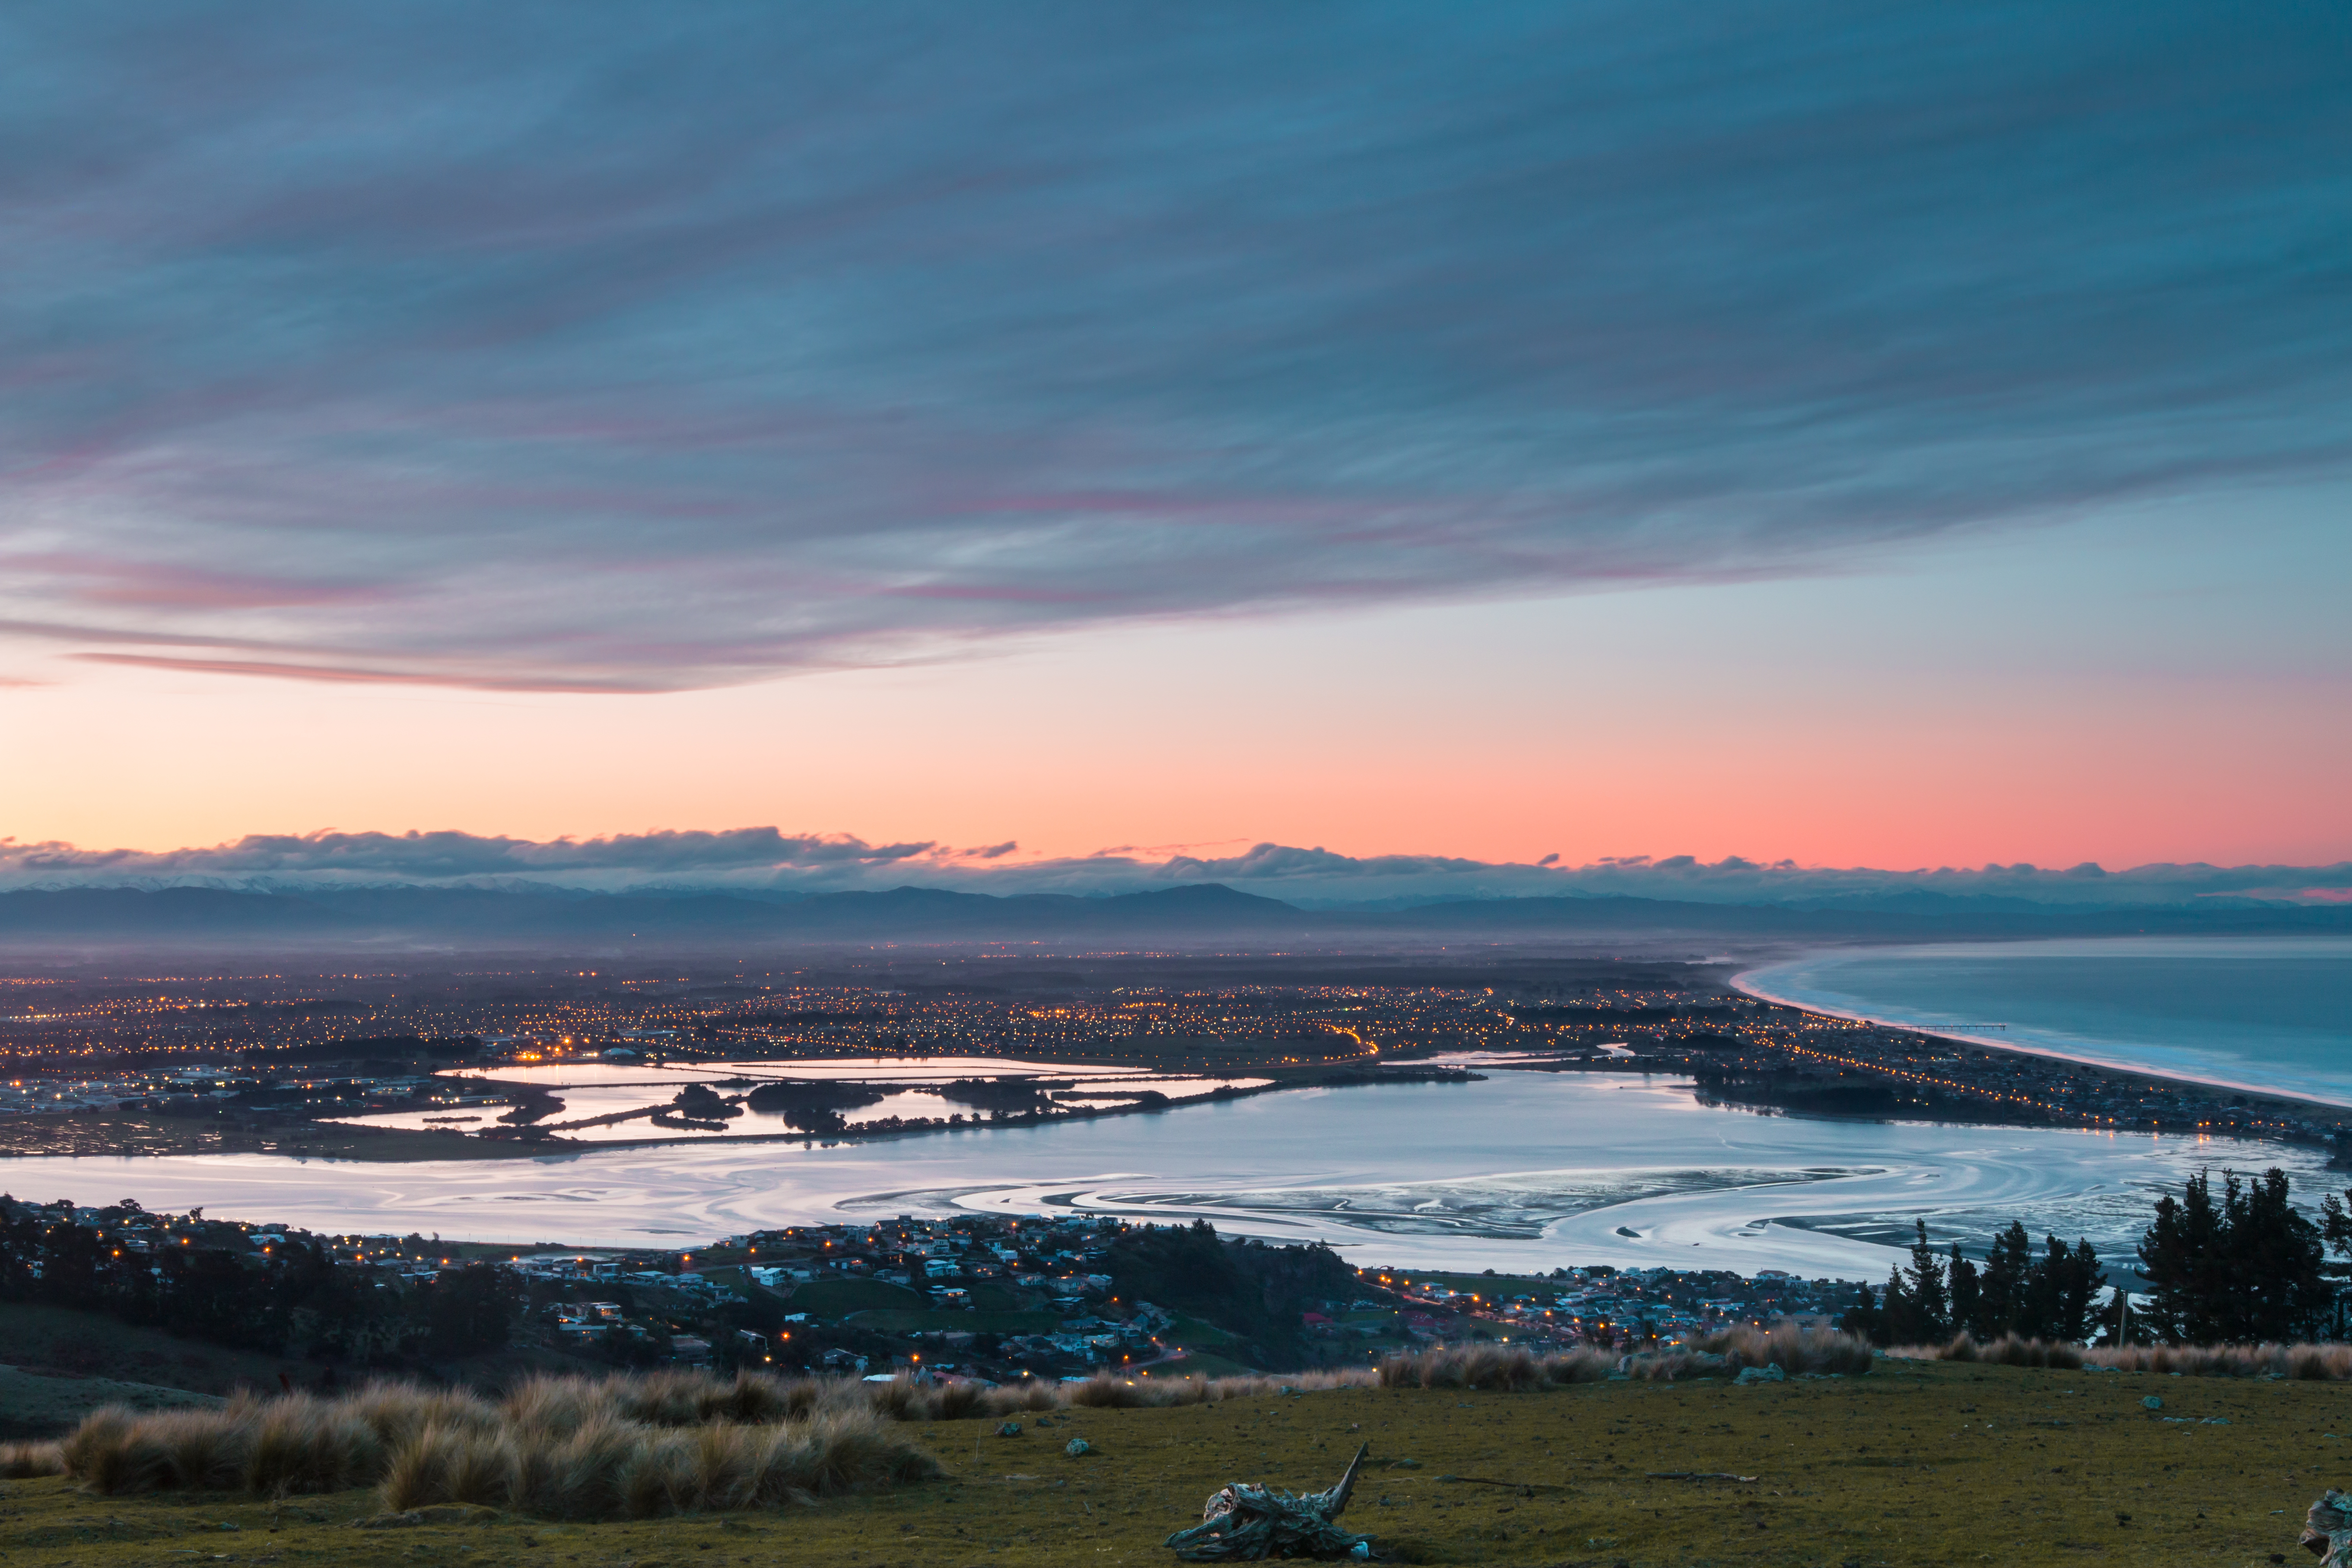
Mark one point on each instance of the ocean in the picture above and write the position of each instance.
(2267, 1014)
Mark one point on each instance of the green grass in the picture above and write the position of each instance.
(888, 1321)
(1911, 1466)
(58, 1340)
(1193, 1333)
(35, 1407)
(1205, 1363)
(839, 1298)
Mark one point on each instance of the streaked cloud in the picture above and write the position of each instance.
(626, 348)
(763, 860)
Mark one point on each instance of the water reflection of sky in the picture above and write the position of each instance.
(594, 1090)
(1521, 1170)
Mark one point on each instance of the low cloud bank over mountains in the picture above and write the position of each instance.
(766, 865)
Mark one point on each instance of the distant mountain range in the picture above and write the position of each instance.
(1191, 917)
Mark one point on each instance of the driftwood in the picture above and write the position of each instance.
(1246, 1522)
(2327, 1530)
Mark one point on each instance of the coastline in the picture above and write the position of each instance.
(2236, 1108)
(2030, 1042)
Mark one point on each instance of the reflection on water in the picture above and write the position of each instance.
(616, 1102)
(1527, 1171)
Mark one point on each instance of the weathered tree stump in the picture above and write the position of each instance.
(2327, 1530)
(1246, 1523)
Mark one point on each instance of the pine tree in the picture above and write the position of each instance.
(2001, 1293)
(1931, 1301)
(2246, 1270)
(1966, 1292)
(1864, 1318)
(2177, 1256)
(1898, 1318)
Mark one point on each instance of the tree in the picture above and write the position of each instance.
(1895, 1319)
(2246, 1270)
(2336, 1230)
(471, 1309)
(1862, 1317)
(2177, 1257)
(2000, 1295)
(2059, 1290)
(1967, 1290)
(1929, 1298)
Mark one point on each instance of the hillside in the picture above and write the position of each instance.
(555, 919)
(1920, 1464)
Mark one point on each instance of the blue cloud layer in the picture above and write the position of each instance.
(764, 861)
(628, 347)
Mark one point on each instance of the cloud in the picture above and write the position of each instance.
(768, 862)
(438, 857)
(616, 348)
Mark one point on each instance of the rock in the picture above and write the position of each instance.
(2327, 1530)
(2152, 1403)
(1751, 1376)
(1078, 1446)
(1246, 1523)
(1010, 1429)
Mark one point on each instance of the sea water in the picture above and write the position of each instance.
(2257, 1013)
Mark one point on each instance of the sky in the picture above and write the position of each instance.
(1050, 445)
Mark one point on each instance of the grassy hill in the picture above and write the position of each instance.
(1913, 1464)
(32, 1405)
(839, 1298)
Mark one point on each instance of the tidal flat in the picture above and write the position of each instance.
(1521, 1172)
(1914, 1463)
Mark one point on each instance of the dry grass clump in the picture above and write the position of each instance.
(626, 1447)
(1505, 1368)
(2007, 1351)
(304, 1445)
(563, 1448)
(1103, 1392)
(610, 1469)
(2312, 1362)
(1495, 1367)
(398, 1411)
(1794, 1349)
(25, 1461)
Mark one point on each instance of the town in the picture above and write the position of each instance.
(408, 1064)
(986, 1298)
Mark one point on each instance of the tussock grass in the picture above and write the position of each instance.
(608, 1469)
(27, 1462)
(2307, 1363)
(1794, 1349)
(2007, 1351)
(623, 1448)
(1505, 1368)
(631, 1447)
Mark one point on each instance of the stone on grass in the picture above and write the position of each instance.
(1247, 1522)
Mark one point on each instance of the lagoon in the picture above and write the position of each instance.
(1524, 1171)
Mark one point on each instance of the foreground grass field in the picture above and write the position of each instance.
(1916, 1463)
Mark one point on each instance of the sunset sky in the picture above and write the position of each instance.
(1899, 436)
